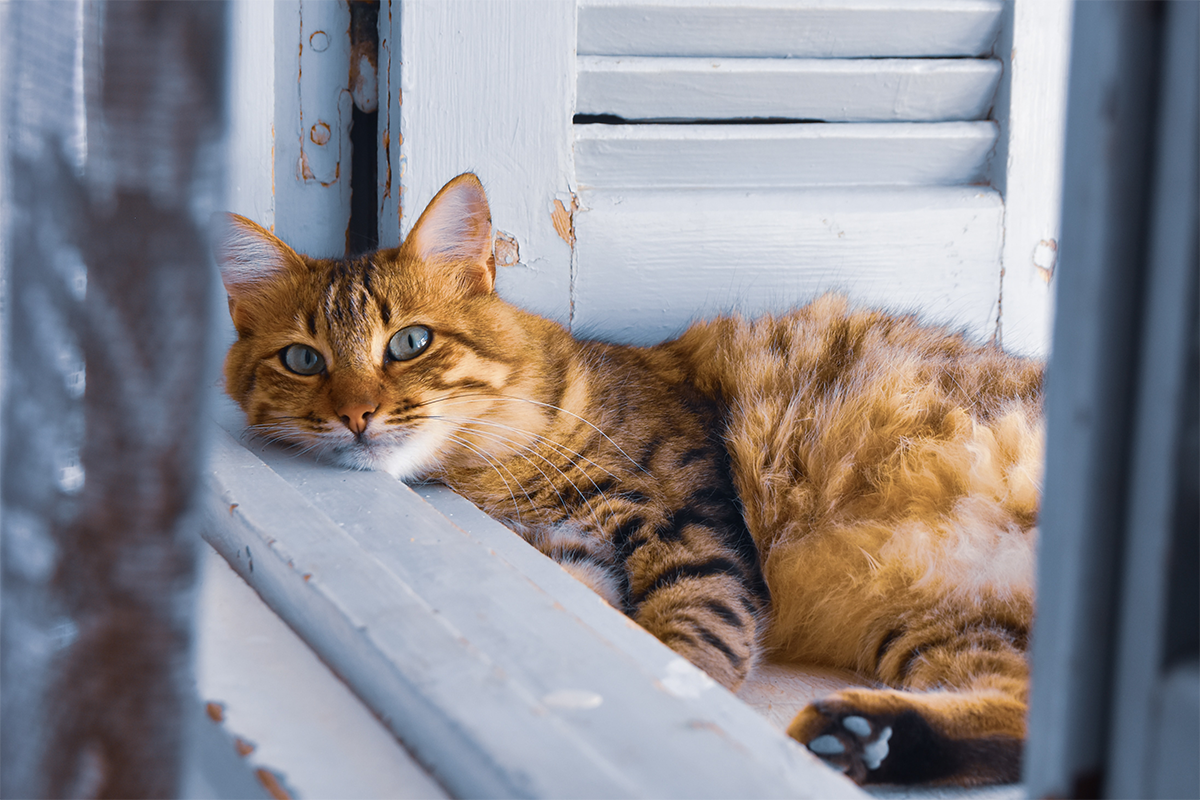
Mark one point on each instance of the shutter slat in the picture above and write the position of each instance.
(664, 156)
(841, 90)
(787, 28)
(685, 254)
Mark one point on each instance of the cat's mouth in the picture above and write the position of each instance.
(407, 454)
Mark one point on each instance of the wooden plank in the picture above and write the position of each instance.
(488, 87)
(683, 254)
(471, 661)
(648, 156)
(251, 182)
(312, 126)
(831, 90)
(1155, 524)
(255, 669)
(789, 28)
(1027, 168)
(1090, 381)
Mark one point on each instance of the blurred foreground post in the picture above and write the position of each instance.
(113, 165)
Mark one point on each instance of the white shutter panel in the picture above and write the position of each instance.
(867, 178)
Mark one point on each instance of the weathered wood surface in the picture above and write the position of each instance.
(648, 262)
(298, 720)
(832, 90)
(500, 683)
(786, 28)
(666, 156)
(1089, 393)
(1030, 109)
(313, 112)
(489, 87)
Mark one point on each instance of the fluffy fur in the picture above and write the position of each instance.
(833, 486)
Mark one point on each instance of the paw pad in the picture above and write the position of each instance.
(852, 744)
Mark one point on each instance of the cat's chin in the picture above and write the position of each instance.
(409, 460)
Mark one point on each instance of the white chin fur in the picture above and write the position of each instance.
(410, 459)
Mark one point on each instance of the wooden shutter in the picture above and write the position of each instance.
(750, 155)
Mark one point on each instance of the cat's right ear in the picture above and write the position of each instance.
(250, 259)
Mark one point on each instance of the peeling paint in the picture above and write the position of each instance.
(272, 784)
(506, 250)
(1045, 259)
(320, 133)
(564, 220)
(215, 711)
(243, 747)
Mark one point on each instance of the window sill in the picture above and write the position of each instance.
(502, 674)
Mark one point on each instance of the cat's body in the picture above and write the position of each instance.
(832, 486)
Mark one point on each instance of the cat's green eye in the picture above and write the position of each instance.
(409, 342)
(302, 359)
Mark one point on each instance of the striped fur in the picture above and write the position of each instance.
(832, 486)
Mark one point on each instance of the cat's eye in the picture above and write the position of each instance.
(409, 342)
(302, 359)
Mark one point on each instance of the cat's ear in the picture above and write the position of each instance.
(250, 258)
(454, 233)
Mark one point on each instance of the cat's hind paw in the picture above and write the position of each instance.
(846, 741)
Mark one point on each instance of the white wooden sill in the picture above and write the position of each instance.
(503, 675)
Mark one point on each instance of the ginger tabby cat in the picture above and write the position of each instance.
(831, 486)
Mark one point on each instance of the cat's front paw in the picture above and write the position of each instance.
(844, 739)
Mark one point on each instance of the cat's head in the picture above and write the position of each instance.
(386, 361)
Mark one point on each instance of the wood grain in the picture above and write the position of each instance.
(832, 90)
(651, 261)
(649, 156)
(789, 28)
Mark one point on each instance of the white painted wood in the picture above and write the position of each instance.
(1028, 170)
(789, 28)
(833, 90)
(489, 87)
(1160, 431)
(312, 125)
(389, 156)
(462, 654)
(273, 694)
(251, 138)
(651, 261)
(662, 156)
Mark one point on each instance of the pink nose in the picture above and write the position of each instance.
(356, 415)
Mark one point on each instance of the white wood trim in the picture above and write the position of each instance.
(313, 110)
(833, 90)
(934, 250)
(663, 156)
(297, 720)
(489, 87)
(499, 684)
(1028, 170)
(390, 158)
(251, 181)
(787, 28)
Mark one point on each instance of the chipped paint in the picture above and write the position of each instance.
(272, 784)
(243, 747)
(215, 711)
(506, 250)
(1045, 259)
(319, 41)
(564, 220)
(319, 133)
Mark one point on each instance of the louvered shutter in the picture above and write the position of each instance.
(749, 155)
(654, 161)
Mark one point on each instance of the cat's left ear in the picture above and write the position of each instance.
(455, 233)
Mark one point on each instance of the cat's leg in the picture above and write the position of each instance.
(697, 597)
(959, 717)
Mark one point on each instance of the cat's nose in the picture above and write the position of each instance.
(356, 415)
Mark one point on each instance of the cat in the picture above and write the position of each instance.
(831, 486)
